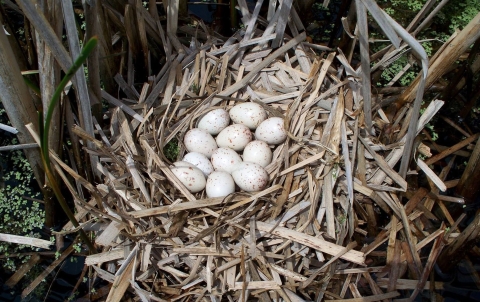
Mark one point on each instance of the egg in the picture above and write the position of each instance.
(198, 140)
(225, 159)
(200, 161)
(250, 177)
(192, 178)
(235, 137)
(258, 152)
(183, 164)
(271, 131)
(219, 184)
(248, 114)
(214, 121)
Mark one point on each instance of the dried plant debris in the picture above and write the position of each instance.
(312, 230)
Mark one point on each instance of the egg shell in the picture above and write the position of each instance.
(271, 131)
(235, 137)
(192, 178)
(219, 184)
(250, 177)
(214, 121)
(258, 152)
(183, 164)
(225, 159)
(198, 140)
(200, 161)
(248, 114)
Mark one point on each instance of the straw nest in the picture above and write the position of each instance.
(313, 233)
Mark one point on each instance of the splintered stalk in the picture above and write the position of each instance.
(45, 129)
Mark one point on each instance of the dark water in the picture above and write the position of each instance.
(205, 12)
(57, 286)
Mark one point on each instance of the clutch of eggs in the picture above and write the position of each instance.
(237, 155)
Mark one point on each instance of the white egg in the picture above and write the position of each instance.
(214, 121)
(250, 177)
(183, 164)
(235, 137)
(198, 140)
(271, 131)
(192, 178)
(225, 159)
(200, 161)
(219, 184)
(258, 152)
(248, 114)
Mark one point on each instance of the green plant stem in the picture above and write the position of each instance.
(87, 49)
(31, 85)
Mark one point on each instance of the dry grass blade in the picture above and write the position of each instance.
(384, 23)
(365, 63)
(284, 12)
(318, 244)
(84, 100)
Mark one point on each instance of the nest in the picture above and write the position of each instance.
(313, 233)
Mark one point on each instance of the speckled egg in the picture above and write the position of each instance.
(258, 152)
(198, 140)
(271, 131)
(248, 114)
(235, 137)
(250, 177)
(225, 159)
(219, 184)
(200, 161)
(214, 121)
(192, 178)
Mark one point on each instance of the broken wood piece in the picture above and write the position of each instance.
(109, 234)
(436, 180)
(267, 285)
(121, 281)
(104, 257)
(452, 149)
(44, 244)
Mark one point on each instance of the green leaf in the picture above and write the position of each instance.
(87, 49)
